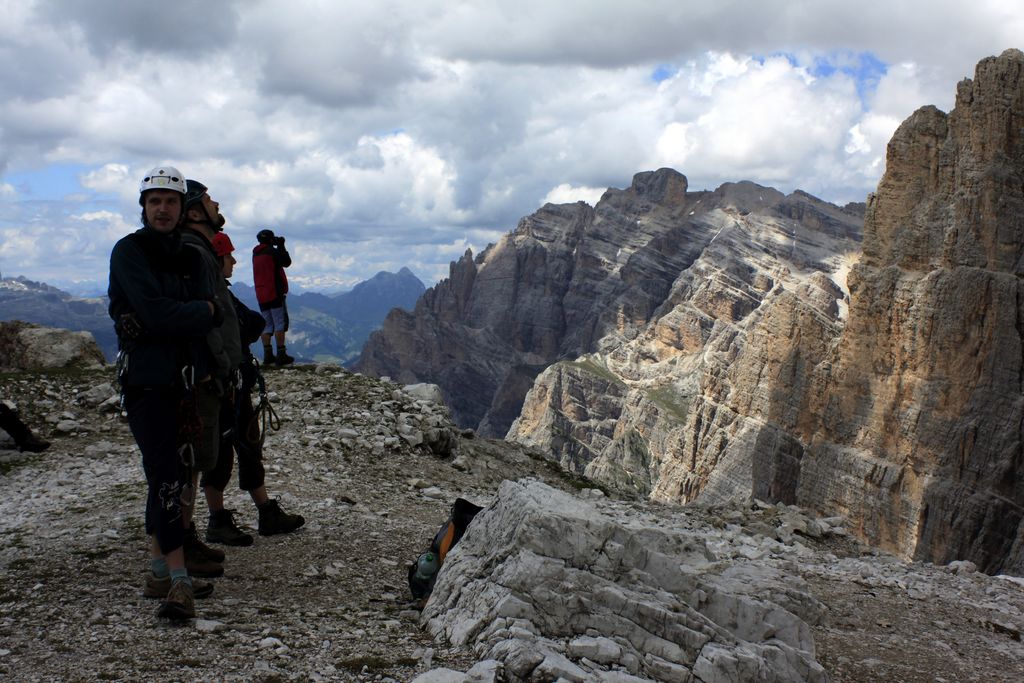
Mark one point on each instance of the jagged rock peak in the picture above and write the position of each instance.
(663, 185)
(953, 192)
(925, 394)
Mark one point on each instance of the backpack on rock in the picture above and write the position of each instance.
(423, 572)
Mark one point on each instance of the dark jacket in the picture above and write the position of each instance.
(250, 323)
(250, 326)
(152, 277)
(223, 339)
(268, 264)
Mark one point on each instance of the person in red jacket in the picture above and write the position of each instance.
(269, 259)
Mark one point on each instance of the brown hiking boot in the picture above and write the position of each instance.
(222, 529)
(199, 557)
(159, 587)
(179, 604)
(200, 548)
(274, 520)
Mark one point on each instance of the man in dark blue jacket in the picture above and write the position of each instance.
(161, 312)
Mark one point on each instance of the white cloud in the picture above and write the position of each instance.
(567, 194)
(378, 135)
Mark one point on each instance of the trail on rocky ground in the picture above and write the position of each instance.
(331, 602)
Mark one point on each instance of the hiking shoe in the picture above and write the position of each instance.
(198, 561)
(179, 603)
(284, 359)
(274, 520)
(222, 529)
(159, 587)
(33, 444)
(201, 549)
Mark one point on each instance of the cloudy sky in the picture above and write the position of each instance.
(376, 135)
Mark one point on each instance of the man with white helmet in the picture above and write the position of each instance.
(161, 310)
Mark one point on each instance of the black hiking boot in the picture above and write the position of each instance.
(222, 529)
(274, 520)
(283, 358)
(268, 357)
(200, 559)
(33, 444)
(11, 423)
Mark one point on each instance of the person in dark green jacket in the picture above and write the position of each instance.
(240, 434)
(162, 312)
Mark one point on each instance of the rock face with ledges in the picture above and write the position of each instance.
(704, 400)
(920, 437)
(573, 280)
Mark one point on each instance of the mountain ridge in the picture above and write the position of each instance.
(331, 328)
(727, 345)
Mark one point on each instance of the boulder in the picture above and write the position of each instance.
(24, 346)
(555, 589)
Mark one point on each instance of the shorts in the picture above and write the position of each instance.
(276, 319)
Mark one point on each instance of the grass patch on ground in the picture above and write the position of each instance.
(678, 407)
(595, 368)
(375, 663)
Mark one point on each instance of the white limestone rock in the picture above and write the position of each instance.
(539, 571)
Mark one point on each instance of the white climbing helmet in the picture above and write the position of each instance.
(163, 178)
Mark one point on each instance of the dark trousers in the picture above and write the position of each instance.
(153, 418)
(239, 434)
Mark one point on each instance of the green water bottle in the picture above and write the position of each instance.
(426, 566)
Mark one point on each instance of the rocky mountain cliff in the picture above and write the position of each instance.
(574, 280)
(728, 345)
(918, 431)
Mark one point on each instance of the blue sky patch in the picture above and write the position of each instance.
(663, 72)
(48, 183)
(864, 68)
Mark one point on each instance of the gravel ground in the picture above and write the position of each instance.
(330, 602)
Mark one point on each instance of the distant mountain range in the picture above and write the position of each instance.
(323, 328)
(38, 302)
(334, 328)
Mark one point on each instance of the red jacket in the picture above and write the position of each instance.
(268, 264)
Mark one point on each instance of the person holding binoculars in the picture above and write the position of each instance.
(269, 259)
